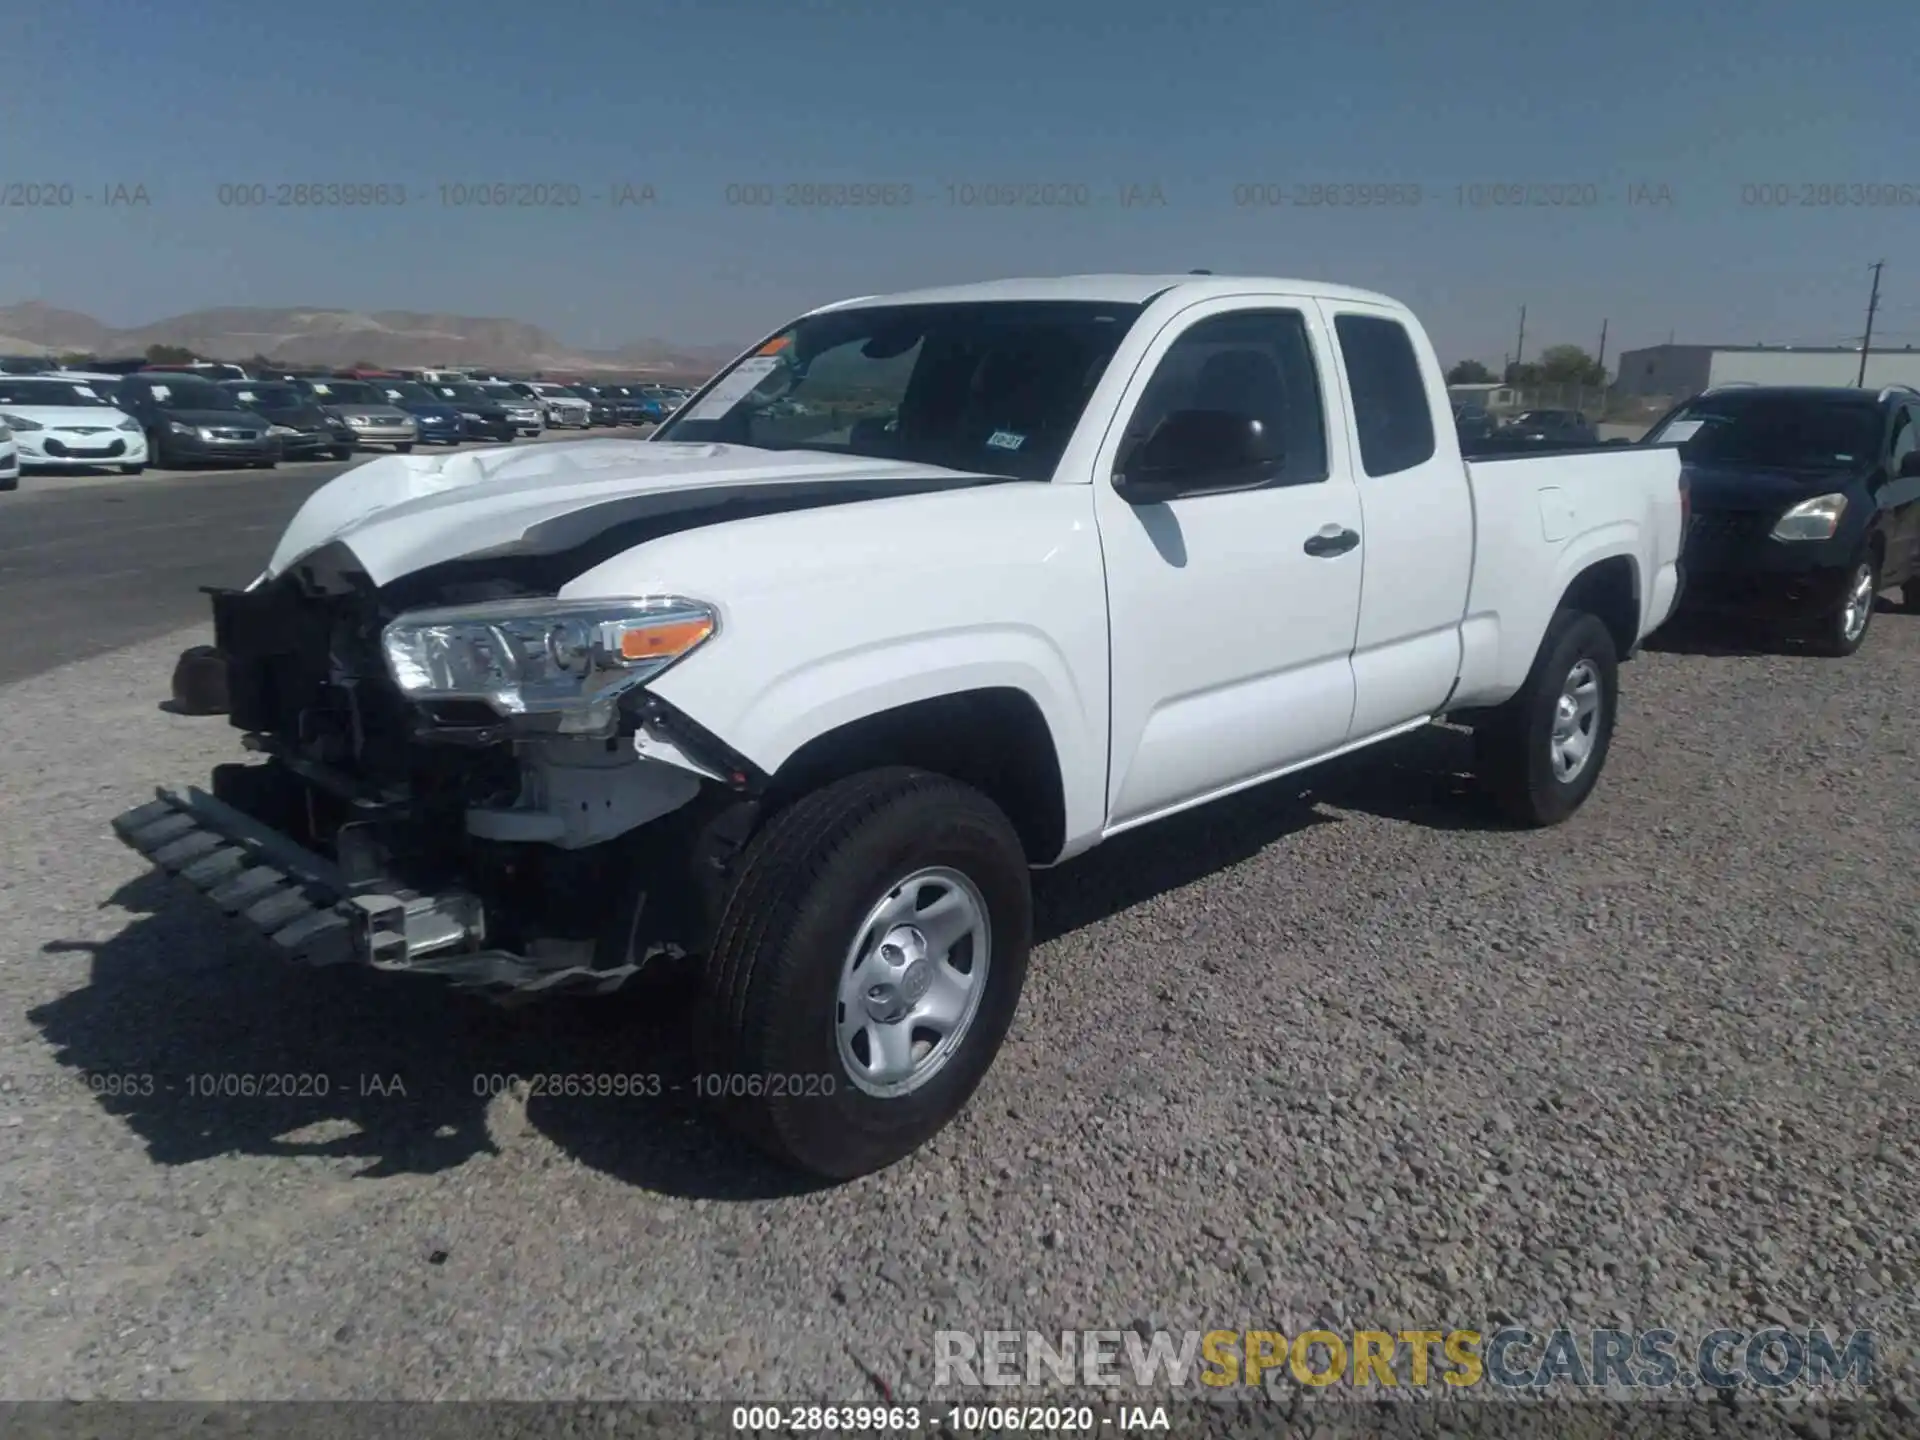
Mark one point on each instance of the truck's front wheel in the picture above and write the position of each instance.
(865, 970)
(1540, 754)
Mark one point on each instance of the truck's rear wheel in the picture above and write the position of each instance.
(1540, 754)
(865, 969)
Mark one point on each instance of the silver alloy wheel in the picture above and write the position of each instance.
(1853, 619)
(1576, 721)
(912, 982)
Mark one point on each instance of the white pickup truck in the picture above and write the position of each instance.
(922, 593)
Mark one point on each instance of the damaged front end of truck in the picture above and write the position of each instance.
(457, 776)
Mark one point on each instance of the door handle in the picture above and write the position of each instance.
(1331, 541)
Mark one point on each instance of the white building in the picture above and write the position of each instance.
(1682, 370)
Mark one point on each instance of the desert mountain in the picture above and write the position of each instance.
(340, 337)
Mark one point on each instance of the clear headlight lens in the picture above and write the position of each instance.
(571, 658)
(20, 424)
(281, 430)
(1815, 519)
(131, 426)
(177, 428)
(359, 422)
(469, 415)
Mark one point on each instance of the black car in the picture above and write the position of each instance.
(1549, 427)
(629, 406)
(605, 405)
(191, 421)
(484, 417)
(1805, 501)
(306, 431)
(1474, 424)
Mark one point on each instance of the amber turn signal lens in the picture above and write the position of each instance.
(655, 642)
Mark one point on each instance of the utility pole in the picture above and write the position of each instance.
(1520, 345)
(1873, 304)
(1600, 367)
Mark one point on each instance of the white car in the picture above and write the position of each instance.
(564, 409)
(802, 705)
(9, 459)
(62, 420)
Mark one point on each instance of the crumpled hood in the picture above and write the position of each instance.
(402, 513)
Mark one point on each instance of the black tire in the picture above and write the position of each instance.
(1830, 634)
(343, 452)
(1910, 597)
(403, 449)
(132, 469)
(1513, 746)
(265, 464)
(770, 995)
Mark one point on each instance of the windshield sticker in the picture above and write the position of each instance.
(1682, 431)
(739, 383)
(775, 345)
(161, 392)
(85, 392)
(1005, 440)
(246, 395)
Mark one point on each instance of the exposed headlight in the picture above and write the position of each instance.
(359, 422)
(471, 415)
(178, 429)
(571, 658)
(1816, 519)
(281, 430)
(20, 423)
(130, 425)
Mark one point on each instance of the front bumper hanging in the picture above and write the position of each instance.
(302, 904)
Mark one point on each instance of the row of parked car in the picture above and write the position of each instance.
(209, 413)
(1480, 428)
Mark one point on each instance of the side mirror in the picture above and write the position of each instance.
(1199, 452)
(1910, 465)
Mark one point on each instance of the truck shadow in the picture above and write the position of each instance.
(206, 1045)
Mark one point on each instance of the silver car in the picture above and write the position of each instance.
(366, 411)
(564, 409)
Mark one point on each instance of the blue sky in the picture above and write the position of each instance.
(1198, 98)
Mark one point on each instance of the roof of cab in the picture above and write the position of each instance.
(1115, 289)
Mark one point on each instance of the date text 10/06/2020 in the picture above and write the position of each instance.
(597, 1085)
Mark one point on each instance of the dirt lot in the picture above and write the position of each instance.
(1339, 1049)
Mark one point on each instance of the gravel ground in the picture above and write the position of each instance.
(1335, 1050)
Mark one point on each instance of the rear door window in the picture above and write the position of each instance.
(1391, 410)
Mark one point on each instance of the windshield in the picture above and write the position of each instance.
(177, 393)
(461, 394)
(1787, 432)
(50, 392)
(406, 390)
(993, 386)
(557, 391)
(346, 392)
(504, 392)
(273, 397)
